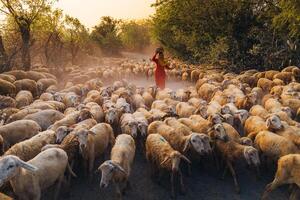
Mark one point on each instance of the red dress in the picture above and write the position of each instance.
(160, 74)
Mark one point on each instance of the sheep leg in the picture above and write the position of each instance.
(216, 161)
(237, 187)
(224, 173)
(269, 188)
(58, 186)
(182, 187)
(91, 166)
(172, 185)
(118, 191)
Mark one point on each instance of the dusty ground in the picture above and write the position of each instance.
(204, 184)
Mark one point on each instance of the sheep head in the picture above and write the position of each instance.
(84, 114)
(225, 109)
(108, 169)
(288, 111)
(274, 123)
(82, 135)
(10, 165)
(228, 118)
(218, 132)
(175, 158)
(199, 142)
(133, 127)
(111, 115)
(61, 133)
(215, 119)
(251, 156)
(142, 127)
(202, 110)
(246, 141)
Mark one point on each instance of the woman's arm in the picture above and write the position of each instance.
(154, 59)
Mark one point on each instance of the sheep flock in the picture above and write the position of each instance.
(87, 123)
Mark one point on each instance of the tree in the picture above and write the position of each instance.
(76, 36)
(24, 13)
(135, 35)
(106, 35)
(247, 34)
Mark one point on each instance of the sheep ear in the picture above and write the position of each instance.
(268, 122)
(27, 166)
(247, 157)
(187, 145)
(118, 167)
(165, 160)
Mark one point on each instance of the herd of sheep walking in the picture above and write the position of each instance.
(54, 128)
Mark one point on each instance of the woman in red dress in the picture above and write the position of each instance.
(161, 64)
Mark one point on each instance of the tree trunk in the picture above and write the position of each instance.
(25, 33)
(4, 64)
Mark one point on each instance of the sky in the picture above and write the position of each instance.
(89, 12)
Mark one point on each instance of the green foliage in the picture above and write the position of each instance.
(255, 33)
(106, 35)
(135, 35)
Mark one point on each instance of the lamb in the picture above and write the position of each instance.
(93, 143)
(28, 149)
(26, 84)
(7, 88)
(287, 173)
(18, 131)
(28, 179)
(45, 118)
(118, 168)
(129, 125)
(231, 151)
(274, 146)
(24, 98)
(162, 156)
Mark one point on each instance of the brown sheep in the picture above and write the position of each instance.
(45, 118)
(28, 149)
(7, 88)
(94, 143)
(26, 84)
(286, 77)
(21, 114)
(24, 98)
(9, 78)
(265, 84)
(18, 131)
(273, 146)
(162, 156)
(34, 75)
(270, 74)
(7, 102)
(19, 74)
(45, 83)
(118, 168)
(96, 110)
(254, 125)
(287, 173)
(232, 151)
